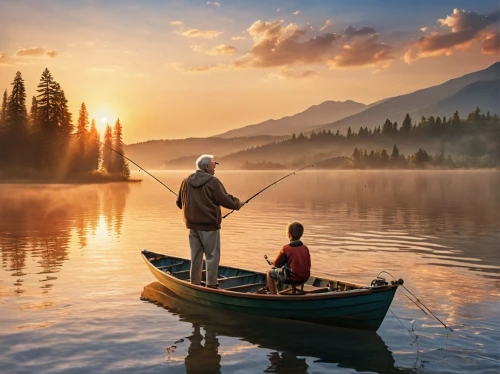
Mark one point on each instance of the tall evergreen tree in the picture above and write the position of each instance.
(93, 148)
(395, 153)
(406, 125)
(17, 121)
(107, 153)
(46, 103)
(120, 163)
(33, 112)
(82, 138)
(45, 129)
(387, 127)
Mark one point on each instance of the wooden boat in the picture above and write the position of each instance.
(322, 301)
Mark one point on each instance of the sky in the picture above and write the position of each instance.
(174, 69)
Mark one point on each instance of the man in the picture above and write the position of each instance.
(200, 197)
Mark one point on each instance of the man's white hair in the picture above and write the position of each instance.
(202, 161)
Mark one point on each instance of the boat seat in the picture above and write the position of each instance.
(303, 289)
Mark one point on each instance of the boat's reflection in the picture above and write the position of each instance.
(358, 350)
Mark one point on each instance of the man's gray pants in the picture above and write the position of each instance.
(208, 243)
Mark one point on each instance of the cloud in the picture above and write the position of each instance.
(423, 29)
(278, 45)
(177, 23)
(351, 31)
(37, 51)
(222, 49)
(238, 38)
(215, 3)
(364, 52)
(6, 60)
(491, 43)
(288, 73)
(205, 34)
(196, 69)
(327, 24)
(296, 13)
(466, 29)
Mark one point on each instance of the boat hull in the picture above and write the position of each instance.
(363, 308)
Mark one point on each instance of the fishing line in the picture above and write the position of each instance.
(286, 176)
(446, 327)
(412, 333)
(144, 170)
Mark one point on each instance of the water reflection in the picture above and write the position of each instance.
(289, 342)
(37, 223)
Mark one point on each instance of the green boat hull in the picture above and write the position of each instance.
(361, 308)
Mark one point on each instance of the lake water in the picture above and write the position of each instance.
(71, 276)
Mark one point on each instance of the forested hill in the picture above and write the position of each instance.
(475, 140)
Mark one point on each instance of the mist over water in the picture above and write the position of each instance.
(71, 275)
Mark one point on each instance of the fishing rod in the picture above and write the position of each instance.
(286, 176)
(419, 302)
(144, 170)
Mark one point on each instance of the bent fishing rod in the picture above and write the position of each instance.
(125, 157)
(286, 176)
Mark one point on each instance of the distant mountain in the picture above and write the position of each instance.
(315, 115)
(396, 108)
(482, 94)
(153, 154)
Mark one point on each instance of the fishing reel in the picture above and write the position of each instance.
(379, 282)
(268, 261)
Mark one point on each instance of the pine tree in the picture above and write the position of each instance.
(46, 103)
(395, 154)
(94, 148)
(120, 163)
(82, 137)
(17, 121)
(387, 127)
(107, 153)
(349, 131)
(33, 112)
(45, 126)
(406, 125)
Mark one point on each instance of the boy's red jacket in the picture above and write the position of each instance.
(297, 256)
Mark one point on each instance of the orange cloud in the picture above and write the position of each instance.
(466, 28)
(196, 69)
(205, 34)
(278, 45)
(222, 49)
(6, 60)
(365, 52)
(37, 51)
(288, 73)
(491, 43)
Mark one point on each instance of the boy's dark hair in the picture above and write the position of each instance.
(295, 229)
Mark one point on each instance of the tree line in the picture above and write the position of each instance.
(41, 144)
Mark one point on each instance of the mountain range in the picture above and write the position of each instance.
(462, 94)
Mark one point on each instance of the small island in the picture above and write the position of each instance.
(45, 146)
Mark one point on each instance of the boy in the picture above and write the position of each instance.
(293, 263)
